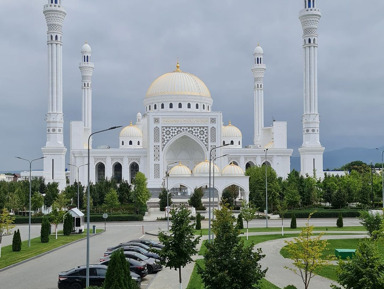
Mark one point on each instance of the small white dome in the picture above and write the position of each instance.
(180, 170)
(258, 50)
(232, 170)
(86, 49)
(231, 131)
(131, 131)
(202, 169)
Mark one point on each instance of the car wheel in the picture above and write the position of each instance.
(76, 286)
(150, 269)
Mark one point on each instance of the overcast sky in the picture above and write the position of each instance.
(135, 41)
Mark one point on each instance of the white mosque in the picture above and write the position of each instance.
(178, 130)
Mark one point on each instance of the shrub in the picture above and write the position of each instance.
(371, 222)
(240, 224)
(118, 275)
(293, 222)
(45, 230)
(16, 241)
(198, 221)
(339, 222)
(68, 225)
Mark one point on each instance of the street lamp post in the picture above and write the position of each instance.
(166, 210)
(210, 188)
(382, 175)
(30, 192)
(78, 177)
(88, 197)
(266, 189)
(213, 183)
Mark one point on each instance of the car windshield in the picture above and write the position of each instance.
(139, 255)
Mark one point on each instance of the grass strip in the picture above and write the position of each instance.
(288, 230)
(8, 257)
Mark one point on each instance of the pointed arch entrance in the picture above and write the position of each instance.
(185, 149)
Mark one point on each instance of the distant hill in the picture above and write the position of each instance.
(337, 158)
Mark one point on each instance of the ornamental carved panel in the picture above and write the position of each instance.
(156, 134)
(156, 171)
(156, 153)
(213, 134)
(169, 132)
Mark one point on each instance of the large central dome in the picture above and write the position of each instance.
(178, 83)
(178, 91)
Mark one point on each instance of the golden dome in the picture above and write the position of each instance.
(230, 131)
(180, 170)
(131, 131)
(202, 169)
(232, 170)
(178, 83)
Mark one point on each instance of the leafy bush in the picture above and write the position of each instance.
(240, 224)
(68, 224)
(371, 222)
(323, 213)
(293, 222)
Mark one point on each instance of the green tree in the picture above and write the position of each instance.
(371, 221)
(16, 241)
(68, 224)
(229, 264)
(163, 199)
(52, 192)
(6, 221)
(196, 199)
(61, 202)
(124, 192)
(293, 222)
(364, 271)
(248, 213)
(56, 217)
(37, 201)
(306, 251)
(180, 244)
(229, 195)
(118, 275)
(282, 208)
(339, 221)
(45, 230)
(111, 200)
(141, 194)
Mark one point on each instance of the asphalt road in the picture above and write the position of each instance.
(43, 272)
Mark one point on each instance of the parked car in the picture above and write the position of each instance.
(150, 243)
(153, 265)
(135, 249)
(76, 278)
(138, 267)
(142, 245)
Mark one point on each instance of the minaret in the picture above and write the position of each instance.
(311, 152)
(86, 69)
(54, 150)
(258, 71)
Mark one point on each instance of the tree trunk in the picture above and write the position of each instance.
(180, 281)
(1, 238)
(247, 230)
(56, 231)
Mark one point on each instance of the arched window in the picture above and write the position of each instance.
(56, 38)
(309, 3)
(87, 58)
(189, 105)
(197, 106)
(248, 165)
(117, 172)
(162, 106)
(150, 108)
(232, 142)
(171, 105)
(203, 106)
(138, 142)
(51, 37)
(257, 60)
(122, 143)
(314, 40)
(180, 105)
(133, 170)
(223, 142)
(130, 142)
(239, 142)
(100, 172)
(208, 107)
(154, 106)
(309, 41)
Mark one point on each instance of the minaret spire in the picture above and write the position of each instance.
(311, 152)
(258, 71)
(86, 69)
(54, 150)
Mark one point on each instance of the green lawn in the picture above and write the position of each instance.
(195, 281)
(8, 257)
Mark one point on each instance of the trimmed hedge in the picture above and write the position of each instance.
(94, 218)
(324, 213)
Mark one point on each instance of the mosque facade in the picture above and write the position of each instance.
(178, 131)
